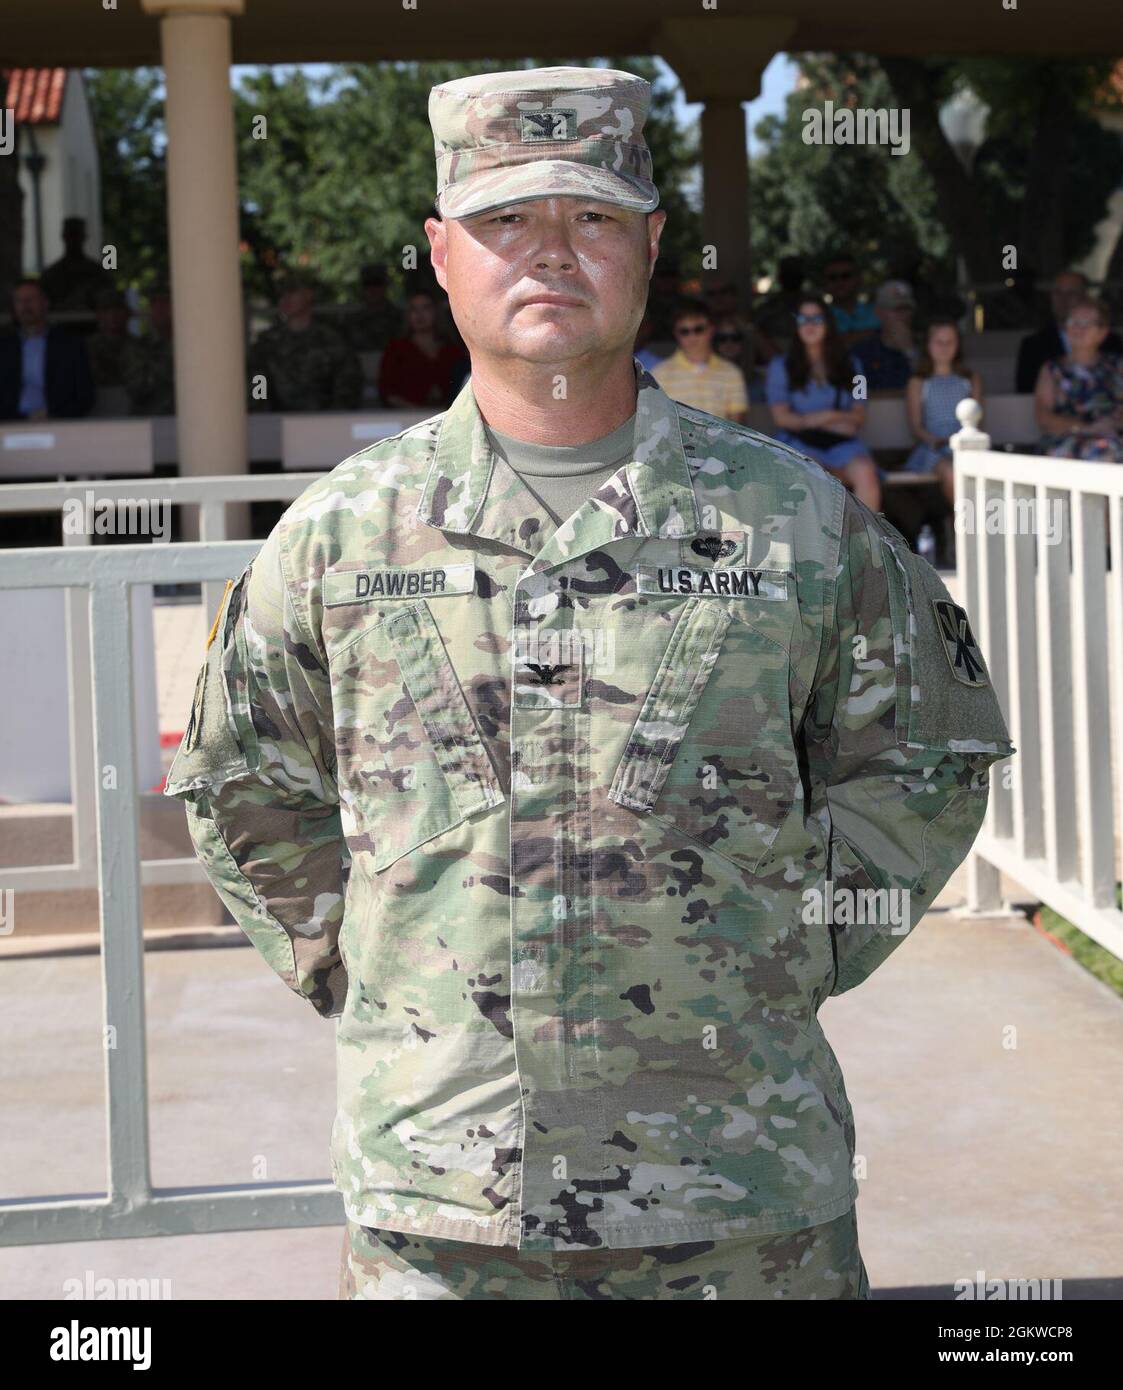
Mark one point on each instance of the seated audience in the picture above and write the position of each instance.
(734, 341)
(811, 392)
(774, 316)
(72, 282)
(1079, 397)
(300, 364)
(941, 381)
(106, 346)
(853, 317)
(44, 370)
(1052, 341)
(149, 367)
(663, 295)
(694, 374)
(724, 302)
(886, 359)
(423, 368)
(370, 326)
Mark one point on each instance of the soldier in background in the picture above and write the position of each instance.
(149, 364)
(306, 365)
(377, 319)
(107, 346)
(73, 281)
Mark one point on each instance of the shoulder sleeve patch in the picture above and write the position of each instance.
(945, 699)
(959, 645)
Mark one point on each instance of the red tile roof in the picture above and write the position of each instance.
(35, 94)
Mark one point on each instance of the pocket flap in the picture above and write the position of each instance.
(665, 715)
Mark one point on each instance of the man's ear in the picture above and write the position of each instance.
(436, 229)
(656, 221)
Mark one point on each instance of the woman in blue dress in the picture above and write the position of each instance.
(941, 381)
(810, 389)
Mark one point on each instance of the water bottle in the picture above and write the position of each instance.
(926, 544)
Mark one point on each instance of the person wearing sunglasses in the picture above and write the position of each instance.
(854, 317)
(1079, 397)
(810, 390)
(694, 373)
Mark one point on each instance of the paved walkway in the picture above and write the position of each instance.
(980, 1156)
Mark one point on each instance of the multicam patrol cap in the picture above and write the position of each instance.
(539, 132)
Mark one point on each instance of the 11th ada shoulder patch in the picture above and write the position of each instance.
(963, 654)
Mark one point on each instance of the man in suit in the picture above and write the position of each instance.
(1038, 348)
(44, 370)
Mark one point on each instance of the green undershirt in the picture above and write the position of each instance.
(563, 476)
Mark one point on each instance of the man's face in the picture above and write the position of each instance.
(695, 335)
(896, 315)
(548, 279)
(1067, 289)
(722, 300)
(421, 314)
(840, 279)
(29, 306)
(295, 302)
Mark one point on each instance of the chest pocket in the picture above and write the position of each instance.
(411, 761)
(712, 752)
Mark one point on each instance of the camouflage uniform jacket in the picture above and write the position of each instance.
(306, 370)
(536, 812)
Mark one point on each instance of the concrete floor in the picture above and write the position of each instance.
(980, 1156)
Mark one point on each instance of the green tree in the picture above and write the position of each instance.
(336, 170)
(128, 114)
(1039, 182)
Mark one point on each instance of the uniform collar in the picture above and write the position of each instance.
(472, 491)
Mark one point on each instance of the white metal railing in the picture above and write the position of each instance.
(1039, 547)
(210, 495)
(131, 1206)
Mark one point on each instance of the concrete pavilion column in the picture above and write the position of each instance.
(719, 61)
(203, 239)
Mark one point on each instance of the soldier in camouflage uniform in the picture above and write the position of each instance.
(562, 822)
(148, 368)
(377, 319)
(72, 283)
(300, 363)
(109, 343)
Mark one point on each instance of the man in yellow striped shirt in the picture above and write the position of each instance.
(695, 375)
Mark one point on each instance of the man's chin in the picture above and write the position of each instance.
(547, 345)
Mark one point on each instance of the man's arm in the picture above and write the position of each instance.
(902, 728)
(256, 767)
